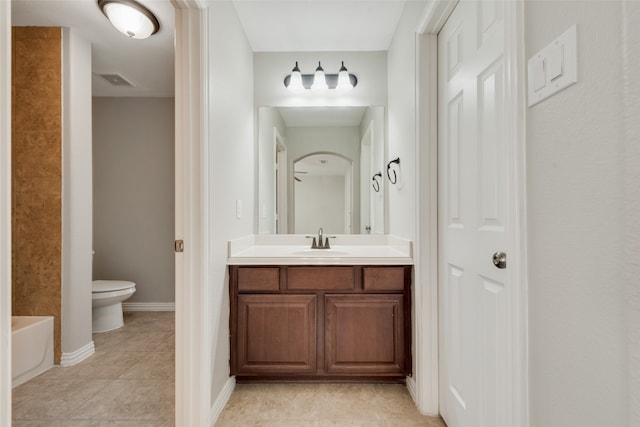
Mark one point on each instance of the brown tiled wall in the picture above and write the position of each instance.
(37, 174)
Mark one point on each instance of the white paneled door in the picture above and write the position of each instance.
(472, 221)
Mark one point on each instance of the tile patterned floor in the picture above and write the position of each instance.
(323, 405)
(128, 382)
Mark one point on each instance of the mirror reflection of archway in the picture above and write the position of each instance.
(323, 195)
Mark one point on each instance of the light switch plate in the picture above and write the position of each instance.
(560, 67)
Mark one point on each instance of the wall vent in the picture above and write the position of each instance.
(116, 80)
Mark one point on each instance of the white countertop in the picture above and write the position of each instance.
(294, 249)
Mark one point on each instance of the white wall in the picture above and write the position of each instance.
(402, 196)
(578, 216)
(272, 67)
(269, 118)
(232, 160)
(320, 202)
(76, 192)
(133, 161)
(345, 141)
(631, 197)
(401, 120)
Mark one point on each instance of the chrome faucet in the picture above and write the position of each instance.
(320, 243)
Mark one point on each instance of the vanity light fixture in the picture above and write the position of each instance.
(130, 18)
(344, 82)
(295, 81)
(320, 81)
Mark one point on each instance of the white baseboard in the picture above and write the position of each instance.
(413, 391)
(148, 306)
(411, 387)
(221, 400)
(75, 357)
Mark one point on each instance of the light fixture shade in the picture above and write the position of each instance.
(295, 81)
(130, 18)
(319, 80)
(344, 81)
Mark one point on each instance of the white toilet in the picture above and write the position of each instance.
(106, 299)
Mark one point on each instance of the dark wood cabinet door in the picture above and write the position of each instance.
(276, 334)
(364, 334)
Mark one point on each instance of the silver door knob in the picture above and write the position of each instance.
(500, 260)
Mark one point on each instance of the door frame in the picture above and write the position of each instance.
(425, 387)
(5, 213)
(193, 216)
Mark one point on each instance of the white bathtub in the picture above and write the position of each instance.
(31, 347)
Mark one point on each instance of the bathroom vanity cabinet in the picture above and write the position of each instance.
(320, 322)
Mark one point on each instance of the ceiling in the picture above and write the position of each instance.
(319, 25)
(270, 25)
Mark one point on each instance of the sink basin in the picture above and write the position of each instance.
(320, 252)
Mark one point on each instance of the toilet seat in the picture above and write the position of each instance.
(99, 286)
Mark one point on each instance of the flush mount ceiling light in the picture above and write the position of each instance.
(130, 18)
(319, 81)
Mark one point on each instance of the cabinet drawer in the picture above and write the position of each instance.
(383, 278)
(320, 278)
(258, 279)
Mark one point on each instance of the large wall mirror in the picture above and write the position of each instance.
(321, 167)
